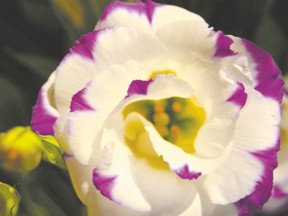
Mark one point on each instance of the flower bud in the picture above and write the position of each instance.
(9, 200)
(20, 149)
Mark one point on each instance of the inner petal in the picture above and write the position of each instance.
(176, 119)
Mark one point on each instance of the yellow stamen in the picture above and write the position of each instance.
(177, 120)
(164, 72)
(175, 131)
(158, 108)
(138, 141)
(161, 119)
(176, 106)
(162, 130)
(142, 112)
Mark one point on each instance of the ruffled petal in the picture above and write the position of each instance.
(114, 169)
(144, 15)
(45, 113)
(81, 179)
(246, 147)
(180, 45)
(76, 70)
(165, 186)
(223, 46)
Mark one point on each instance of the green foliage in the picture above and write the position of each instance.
(52, 152)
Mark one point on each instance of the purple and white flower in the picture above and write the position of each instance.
(279, 199)
(158, 114)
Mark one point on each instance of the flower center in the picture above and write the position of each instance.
(176, 119)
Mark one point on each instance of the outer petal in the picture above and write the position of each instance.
(90, 108)
(76, 70)
(279, 198)
(97, 204)
(181, 45)
(146, 15)
(115, 165)
(268, 121)
(44, 112)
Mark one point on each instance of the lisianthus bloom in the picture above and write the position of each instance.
(279, 198)
(158, 114)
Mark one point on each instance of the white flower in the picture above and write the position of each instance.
(160, 115)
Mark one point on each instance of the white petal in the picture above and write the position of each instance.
(160, 188)
(261, 117)
(44, 112)
(104, 96)
(191, 38)
(217, 131)
(116, 163)
(131, 44)
(81, 177)
(83, 129)
(240, 170)
(144, 15)
(72, 75)
(163, 16)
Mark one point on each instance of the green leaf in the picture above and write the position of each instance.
(13, 105)
(52, 152)
(270, 36)
(40, 65)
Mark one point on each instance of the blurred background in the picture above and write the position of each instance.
(34, 37)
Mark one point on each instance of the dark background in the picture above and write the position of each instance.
(35, 35)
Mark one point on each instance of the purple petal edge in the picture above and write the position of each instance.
(223, 46)
(103, 184)
(146, 8)
(42, 121)
(79, 103)
(185, 173)
(138, 87)
(269, 84)
(67, 155)
(278, 193)
(263, 188)
(85, 45)
(271, 88)
(239, 97)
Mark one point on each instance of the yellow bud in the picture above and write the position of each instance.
(20, 149)
(9, 200)
(73, 9)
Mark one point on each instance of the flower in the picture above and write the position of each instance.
(279, 198)
(9, 200)
(158, 114)
(20, 149)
